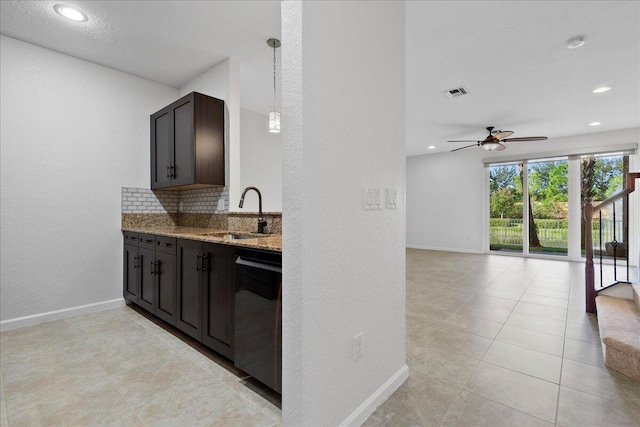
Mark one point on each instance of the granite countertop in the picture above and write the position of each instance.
(269, 242)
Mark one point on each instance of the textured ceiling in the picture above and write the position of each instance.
(169, 42)
(510, 55)
(513, 58)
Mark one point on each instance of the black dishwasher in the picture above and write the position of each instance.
(258, 316)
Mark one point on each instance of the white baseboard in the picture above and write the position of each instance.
(364, 411)
(20, 322)
(621, 290)
(433, 248)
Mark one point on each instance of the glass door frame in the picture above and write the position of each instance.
(574, 252)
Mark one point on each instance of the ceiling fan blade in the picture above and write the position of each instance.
(468, 146)
(464, 140)
(500, 147)
(503, 134)
(525, 138)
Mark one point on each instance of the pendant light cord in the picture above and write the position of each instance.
(274, 77)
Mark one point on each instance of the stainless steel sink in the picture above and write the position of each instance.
(234, 236)
(231, 236)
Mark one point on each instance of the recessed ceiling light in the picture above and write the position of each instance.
(431, 147)
(575, 42)
(594, 124)
(602, 89)
(70, 13)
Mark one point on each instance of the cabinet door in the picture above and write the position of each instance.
(165, 272)
(147, 279)
(161, 149)
(183, 141)
(219, 298)
(131, 282)
(189, 284)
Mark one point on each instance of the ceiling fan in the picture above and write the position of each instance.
(496, 139)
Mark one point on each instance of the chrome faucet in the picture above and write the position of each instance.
(261, 222)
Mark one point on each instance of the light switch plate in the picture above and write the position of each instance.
(392, 198)
(371, 199)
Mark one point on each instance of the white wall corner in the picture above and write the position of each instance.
(333, 74)
(235, 190)
(368, 407)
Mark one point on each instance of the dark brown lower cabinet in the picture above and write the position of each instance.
(187, 283)
(147, 258)
(150, 274)
(219, 299)
(165, 277)
(206, 286)
(189, 296)
(131, 270)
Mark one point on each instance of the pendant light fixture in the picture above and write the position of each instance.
(274, 116)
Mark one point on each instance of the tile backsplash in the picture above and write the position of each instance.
(201, 201)
(205, 200)
(205, 207)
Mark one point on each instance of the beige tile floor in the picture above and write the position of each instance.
(117, 367)
(491, 340)
(503, 341)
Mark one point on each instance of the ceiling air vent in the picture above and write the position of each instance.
(459, 91)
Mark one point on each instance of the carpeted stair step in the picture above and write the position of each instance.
(619, 324)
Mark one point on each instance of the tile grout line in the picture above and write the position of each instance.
(5, 409)
(83, 344)
(522, 373)
(490, 345)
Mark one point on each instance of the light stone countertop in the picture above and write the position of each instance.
(269, 242)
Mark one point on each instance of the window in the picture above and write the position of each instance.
(602, 177)
(548, 202)
(535, 205)
(505, 208)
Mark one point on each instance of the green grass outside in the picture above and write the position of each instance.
(518, 248)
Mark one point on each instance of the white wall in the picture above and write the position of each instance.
(222, 81)
(213, 82)
(344, 267)
(261, 162)
(73, 133)
(254, 156)
(446, 200)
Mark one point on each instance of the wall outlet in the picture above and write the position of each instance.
(220, 206)
(357, 346)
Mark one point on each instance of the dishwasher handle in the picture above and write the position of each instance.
(258, 265)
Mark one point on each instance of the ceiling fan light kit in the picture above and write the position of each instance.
(493, 146)
(496, 140)
(575, 42)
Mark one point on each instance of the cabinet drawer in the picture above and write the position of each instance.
(131, 238)
(166, 244)
(147, 241)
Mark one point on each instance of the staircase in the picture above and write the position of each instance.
(617, 304)
(619, 324)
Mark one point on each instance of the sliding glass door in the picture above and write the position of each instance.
(505, 208)
(548, 202)
(535, 206)
(602, 177)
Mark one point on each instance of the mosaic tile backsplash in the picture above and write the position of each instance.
(201, 201)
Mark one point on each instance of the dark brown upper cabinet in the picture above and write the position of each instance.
(187, 143)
